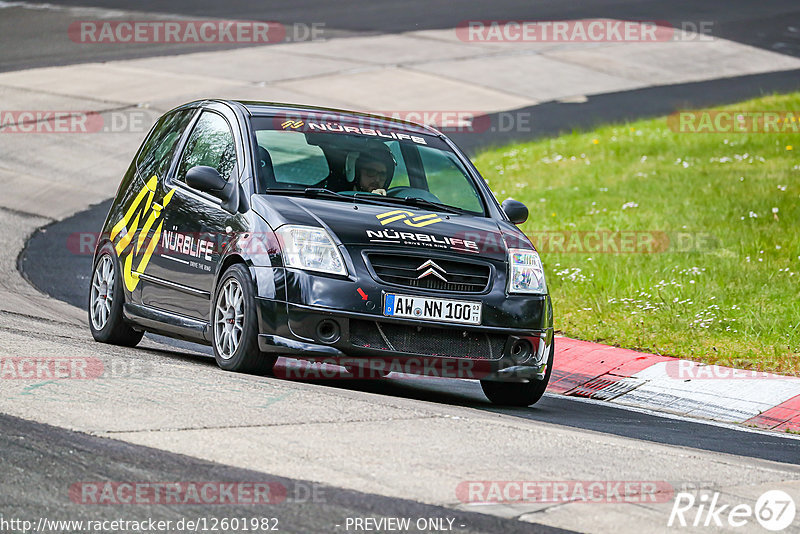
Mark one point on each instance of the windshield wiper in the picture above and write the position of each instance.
(417, 201)
(322, 191)
(308, 191)
(435, 205)
(316, 192)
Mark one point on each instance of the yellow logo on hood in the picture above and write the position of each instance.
(417, 221)
(144, 213)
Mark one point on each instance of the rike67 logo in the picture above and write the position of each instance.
(774, 510)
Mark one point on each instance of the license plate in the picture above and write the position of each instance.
(431, 309)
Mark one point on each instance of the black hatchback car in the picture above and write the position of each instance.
(270, 230)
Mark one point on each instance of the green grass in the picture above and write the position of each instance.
(730, 297)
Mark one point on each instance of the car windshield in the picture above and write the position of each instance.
(379, 163)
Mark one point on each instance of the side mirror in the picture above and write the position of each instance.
(517, 211)
(208, 180)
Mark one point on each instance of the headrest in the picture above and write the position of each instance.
(264, 167)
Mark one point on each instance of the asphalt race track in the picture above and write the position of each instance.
(47, 457)
(71, 284)
(385, 448)
(765, 25)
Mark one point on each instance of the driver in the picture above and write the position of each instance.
(374, 171)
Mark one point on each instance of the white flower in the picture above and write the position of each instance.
(774, 210)
(782, 187)
(753, 215)
(630, 205)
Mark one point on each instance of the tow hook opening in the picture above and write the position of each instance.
(521, 350)
(328, 331)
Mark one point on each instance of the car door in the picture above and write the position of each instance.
(195, 226)
(135, 226)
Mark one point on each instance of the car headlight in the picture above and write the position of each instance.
(310, 249)
(526, 273)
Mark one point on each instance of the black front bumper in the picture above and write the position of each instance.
(358, 340)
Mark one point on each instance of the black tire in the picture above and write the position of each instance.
(519, 393)
(108, 325)
(245, 356)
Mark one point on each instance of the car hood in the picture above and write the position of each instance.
(410, 227)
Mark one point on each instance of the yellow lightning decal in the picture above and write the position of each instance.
(142, 209)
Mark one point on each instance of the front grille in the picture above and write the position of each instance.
(426, 340)
(404, 270)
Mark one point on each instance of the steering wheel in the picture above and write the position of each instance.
(411, 192)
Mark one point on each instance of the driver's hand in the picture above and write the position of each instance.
(379, 191)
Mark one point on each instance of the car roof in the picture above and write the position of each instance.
(268, 108)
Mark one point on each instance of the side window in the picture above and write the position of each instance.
(158, 149)
(211, 144)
